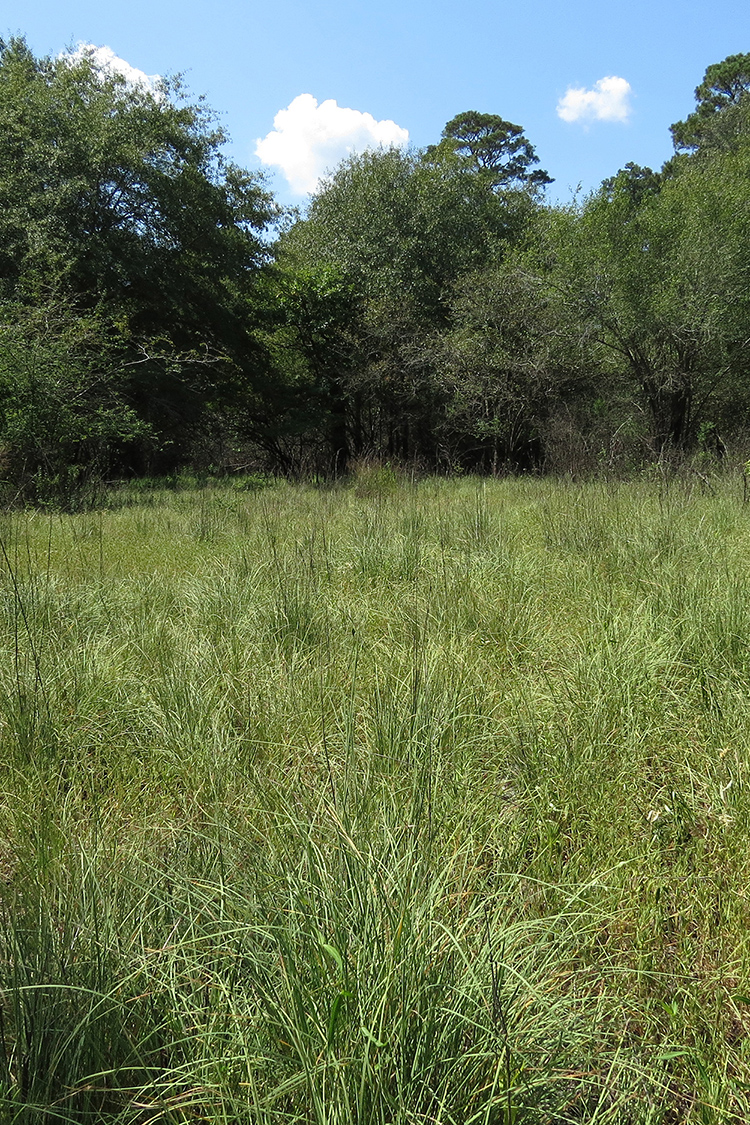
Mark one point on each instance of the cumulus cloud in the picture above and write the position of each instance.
(308, 138)
(609, 100)
(106, 61)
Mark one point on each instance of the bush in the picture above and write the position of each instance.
(63, 410)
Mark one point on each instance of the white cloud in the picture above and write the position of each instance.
(107, 62)
(607, 101)
(307, 139)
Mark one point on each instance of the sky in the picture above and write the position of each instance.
(299, 85)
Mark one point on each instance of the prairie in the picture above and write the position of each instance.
(393, 803)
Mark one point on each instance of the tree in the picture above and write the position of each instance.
(723, 107)
(310, 312)
(501, 365)
(492, 148)
(635, 184)
(399, 232)
(402, 228)
(653, 274)
(118, 198)
(63, 407)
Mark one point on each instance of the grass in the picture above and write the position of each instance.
(396, 803)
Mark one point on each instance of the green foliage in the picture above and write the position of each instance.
(490, 147)
(654, 287)
(64, 410)
(308, 331)
(429, 308)
(486, 328)
(722, 112)
(401, 232)
(122, 194)
(117, 199)
(504, 363)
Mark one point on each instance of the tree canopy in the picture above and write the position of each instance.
(116, 199)
(401, 231)
(120, 193)
(722, 110)
(429, 305)
(495, 149)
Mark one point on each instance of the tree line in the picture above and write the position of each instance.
(158, 310)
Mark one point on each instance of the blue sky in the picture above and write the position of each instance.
(411, 65)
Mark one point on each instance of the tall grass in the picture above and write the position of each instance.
(394, 803)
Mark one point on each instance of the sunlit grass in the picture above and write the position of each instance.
(394, 802)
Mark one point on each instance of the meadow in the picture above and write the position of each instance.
(389, 803)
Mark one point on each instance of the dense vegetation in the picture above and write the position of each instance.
(385, 799)
(430, 307)
(388, 803)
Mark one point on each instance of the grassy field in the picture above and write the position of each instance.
(382, 804)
